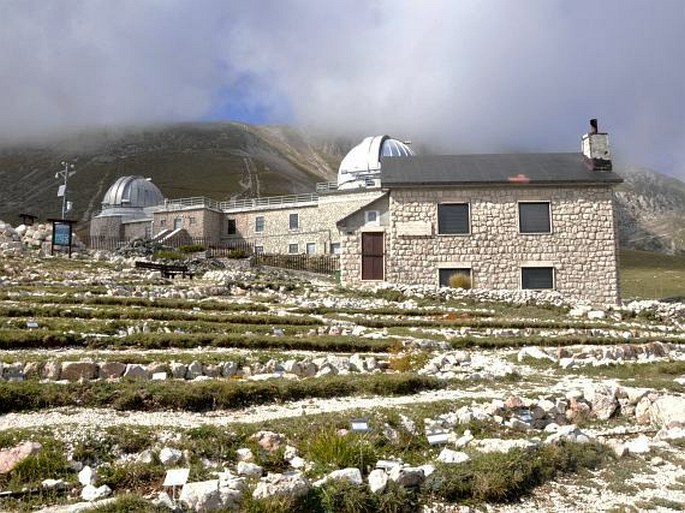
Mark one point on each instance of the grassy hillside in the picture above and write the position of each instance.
(217, 160)
(651, 275)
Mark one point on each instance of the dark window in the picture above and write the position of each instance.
(259, 250)
(231, 227)
(162, 223)
(534, 217)
(259, 224)
(311, 248)
(192, 220)
(294, 221)
(453, 218)
(178, 223)
(335, 248)
(293, 248)
(537, 277)
(445, 275)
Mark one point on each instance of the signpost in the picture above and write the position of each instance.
(62, 234)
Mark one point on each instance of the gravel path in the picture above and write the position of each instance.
(103, 417)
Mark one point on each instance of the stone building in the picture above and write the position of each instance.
(504, 221)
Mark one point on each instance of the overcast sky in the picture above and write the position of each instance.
(463, 75)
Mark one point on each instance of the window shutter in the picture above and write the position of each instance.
(534, 217)
(537, 277)
(453, 218)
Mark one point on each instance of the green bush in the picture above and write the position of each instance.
(331, 451)
(191, 248)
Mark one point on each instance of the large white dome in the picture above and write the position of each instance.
(132, 191)
(362, 164)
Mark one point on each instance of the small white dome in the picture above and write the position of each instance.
(363, 162)
(132, 191)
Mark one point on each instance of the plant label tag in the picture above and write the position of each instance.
(176, 477)
(437, 438)
(360, 425)
(31, 325)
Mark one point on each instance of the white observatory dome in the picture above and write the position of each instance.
(362, 164)
(132, 191)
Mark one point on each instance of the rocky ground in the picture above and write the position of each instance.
(284, 392)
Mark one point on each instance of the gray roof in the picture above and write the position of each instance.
(513, 168)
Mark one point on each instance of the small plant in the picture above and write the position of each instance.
(329, 449)
(460, 281)
(191, 248)
(167, 254)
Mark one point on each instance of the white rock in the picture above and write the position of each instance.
(351, 475)
(90, 493)
(450, 456)
(378, 480)
(639, 445)
(202, 496)
(667, 411)
(289, 484)
(244, 468)
(244, 454)
(169, 455)
(596, 315)
(87, 476)
(499, 445)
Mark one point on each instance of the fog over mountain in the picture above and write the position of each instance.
(462, 76)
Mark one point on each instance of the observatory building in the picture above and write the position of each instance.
(503, 221)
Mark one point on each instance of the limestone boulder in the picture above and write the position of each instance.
(74, 371)
(288, 484)
(10, 458)
(668, 411)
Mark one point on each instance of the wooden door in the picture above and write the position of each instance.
(372, 256)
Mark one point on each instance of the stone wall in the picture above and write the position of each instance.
(200, 223)
(582, 247)
(107, 227)
(317, 222)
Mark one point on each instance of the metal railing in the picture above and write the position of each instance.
(324, 187)
(196, 201)
(269, 201)
(321, 264)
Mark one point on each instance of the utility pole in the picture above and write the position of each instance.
(62, 190)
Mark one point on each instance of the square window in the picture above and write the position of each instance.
(371, 217)
(335, 248)
(453, 218)
(311, 248)
(294, 221)
(534, 217)
(231, 227)
(259, 224)
(162, 223)
(537, 277)
(293, 248)
(446, 274)
(259, 250)
(192, 220)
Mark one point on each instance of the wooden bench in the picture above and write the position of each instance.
(167, 270)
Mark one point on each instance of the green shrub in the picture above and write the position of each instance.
(331, 451)
(128, 504)
(191, 248)
(167, 254)
(132, 477)
(460, 281)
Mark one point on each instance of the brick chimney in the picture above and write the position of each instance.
(595, 147)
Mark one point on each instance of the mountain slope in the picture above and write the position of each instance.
(217, 160)
(651, 211)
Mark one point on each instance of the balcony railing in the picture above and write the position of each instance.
(268, 201)
(197, 201)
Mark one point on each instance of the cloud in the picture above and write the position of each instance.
(467, 75)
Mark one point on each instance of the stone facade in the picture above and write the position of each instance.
(202, 223)
(581, 248)
(316, 223)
